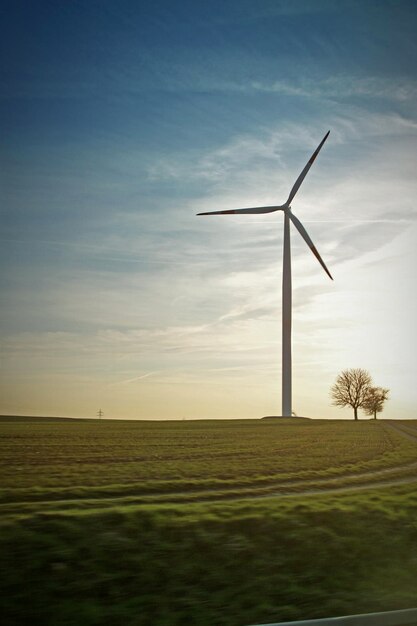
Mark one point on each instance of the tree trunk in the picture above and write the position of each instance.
(374, 415)
(355, 412)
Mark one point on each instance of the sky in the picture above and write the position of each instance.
(122, 120)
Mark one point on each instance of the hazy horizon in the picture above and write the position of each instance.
(120, 123)
(110, 418)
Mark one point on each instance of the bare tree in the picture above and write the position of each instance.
(374, 401)
(351, 389)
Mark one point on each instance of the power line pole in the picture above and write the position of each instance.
(100, 414)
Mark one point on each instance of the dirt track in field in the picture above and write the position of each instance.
(404, 430)
(330, 485)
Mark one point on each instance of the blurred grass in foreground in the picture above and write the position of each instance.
(227, 564)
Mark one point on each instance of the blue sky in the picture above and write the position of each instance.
(120, 121)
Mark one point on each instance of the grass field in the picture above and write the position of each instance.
(205, 522)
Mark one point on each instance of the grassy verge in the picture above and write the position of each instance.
(206, 564)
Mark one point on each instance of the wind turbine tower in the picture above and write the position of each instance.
(286, 273)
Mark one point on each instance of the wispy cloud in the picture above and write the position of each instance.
(256, 158)
(128, 381)
(342, 87)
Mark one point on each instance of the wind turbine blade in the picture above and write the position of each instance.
(253, 210)
(303, 174)
(304, 234)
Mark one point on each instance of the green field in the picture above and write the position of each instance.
(205, 522)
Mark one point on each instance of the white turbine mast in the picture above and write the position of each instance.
(286, 272)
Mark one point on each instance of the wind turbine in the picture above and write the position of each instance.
(286, 272)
